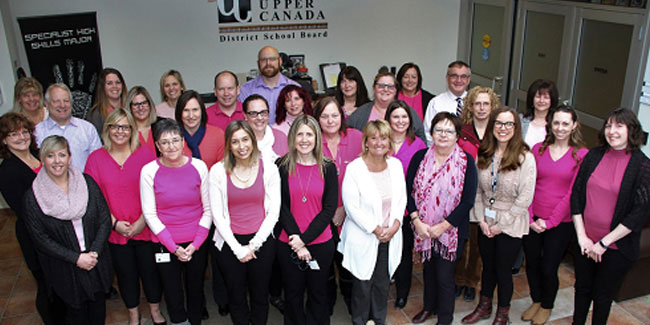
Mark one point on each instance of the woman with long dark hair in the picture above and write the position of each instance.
(351, 91)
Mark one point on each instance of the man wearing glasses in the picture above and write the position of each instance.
(458, 78)
(270, 81)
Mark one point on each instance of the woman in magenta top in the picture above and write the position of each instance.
(342, 145)
(176, 206)
(116, 169)
(141, 106)
(609, 204)
(293, 101)
(410, 91)
(245, 202)
(558, 160)
(405, 145)
(306, 248)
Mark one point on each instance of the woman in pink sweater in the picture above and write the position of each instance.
(558, 160)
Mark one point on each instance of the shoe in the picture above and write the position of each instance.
(541, 316)
(502, 316)
(400, 303)
(161, 323)
(278, 303)
(470, 294)
(205, 315)
(482, 311)
(112, 294)
(421, 317)
(459, 290)
(223, 310)
(531, 311)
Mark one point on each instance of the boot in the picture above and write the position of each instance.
(502, 316)
(541, 316)
(531, 311)
(482, 311)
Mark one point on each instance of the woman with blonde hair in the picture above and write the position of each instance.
(28, 100)
(140, 104)
(171, 88)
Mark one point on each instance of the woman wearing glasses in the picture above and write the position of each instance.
(176, 206)
(506, 183)
(140, 104)
(306, 247)
(385, 90)
(116, 169)
(271, 142)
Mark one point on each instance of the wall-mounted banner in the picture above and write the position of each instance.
(65, 48)
(266, 20)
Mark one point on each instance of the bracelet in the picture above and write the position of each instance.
(115, 225)
(603, 244)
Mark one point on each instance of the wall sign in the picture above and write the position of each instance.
(267, 20)
(64, 48)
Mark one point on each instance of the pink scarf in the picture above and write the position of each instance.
(437, 193)
(58, 204)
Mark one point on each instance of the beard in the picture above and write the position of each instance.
(270, 70)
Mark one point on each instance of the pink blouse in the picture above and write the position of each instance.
(415, 102)
(349, 149)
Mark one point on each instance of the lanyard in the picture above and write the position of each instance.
(493, 180)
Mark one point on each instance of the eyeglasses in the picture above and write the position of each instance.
(19, 134)
(117, 127)
(253, 114)
(441, 131)
(174, 141)
(456, 76)
(302, 265)
(386, 86)
(140, 104)
(268, 59)
(508, 125)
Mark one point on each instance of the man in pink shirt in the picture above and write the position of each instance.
(227, 108)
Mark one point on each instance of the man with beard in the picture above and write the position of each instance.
(270, 82)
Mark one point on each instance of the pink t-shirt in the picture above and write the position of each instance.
(121, 187)
(306, 182)
(374, 115)
(246, 205)
(164, 110)
(415, 102)
(602, 193)
(553, 186)
(349, 149)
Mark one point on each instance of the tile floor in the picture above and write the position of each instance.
(17, 292)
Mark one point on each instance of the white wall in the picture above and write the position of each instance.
(7, 79)
(144, 38)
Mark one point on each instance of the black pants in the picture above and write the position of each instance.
(298, 277)
(219, 291)
(92, 312)
(50, 309)
(498, 253)
(544, 252)
(345, 283)
(179, 278)
(597, 282)
(276, 285)
(369, 296)
(251, 277)
(133, 262)
(404, 271)
(439, 287)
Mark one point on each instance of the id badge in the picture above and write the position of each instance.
(313, 264)
(163, 258)
(489, 213)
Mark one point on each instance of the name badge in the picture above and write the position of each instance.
(313, 265)
(489, 213)
(162, 258)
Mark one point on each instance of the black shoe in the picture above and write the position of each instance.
(515, 270)
(161, 323)
(400, 303)
(224, 310)
(278, 303)
(470, 294)
(205, 315)
(459, 290)
(112, 294)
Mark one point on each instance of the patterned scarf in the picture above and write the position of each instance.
(437, 193)
(58, 204)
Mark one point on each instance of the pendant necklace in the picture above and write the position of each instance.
(303, 190)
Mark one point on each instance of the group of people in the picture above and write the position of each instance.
(291, 200)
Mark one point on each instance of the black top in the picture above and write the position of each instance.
(632, 204)
(321, 220)
(16, 178)
(426, 98)
(459, 218)
(58, 248)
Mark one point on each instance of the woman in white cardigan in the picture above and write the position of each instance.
(245, 203)
(374, 197)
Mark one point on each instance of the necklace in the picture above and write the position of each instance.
(250, 172)
(302, 189)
